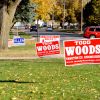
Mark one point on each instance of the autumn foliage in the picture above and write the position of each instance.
(45, 8)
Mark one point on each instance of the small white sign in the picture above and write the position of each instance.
(16, 36)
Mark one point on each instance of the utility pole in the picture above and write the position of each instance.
(52, 19)
(81, 16)
(63, 13)
(37, 30)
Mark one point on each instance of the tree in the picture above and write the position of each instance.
(44, 8)
(92, 13)
(7, 11)
(70, 10)
(25, 12)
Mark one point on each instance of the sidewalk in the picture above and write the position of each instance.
(34, 57)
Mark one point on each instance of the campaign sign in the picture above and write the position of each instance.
(49, 38)
(86, 51)
(19, 41)
(48, 48)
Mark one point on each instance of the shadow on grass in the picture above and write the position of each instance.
(14, 81)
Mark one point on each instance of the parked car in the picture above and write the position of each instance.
(49, 29)
(92, 32)
(33, 28)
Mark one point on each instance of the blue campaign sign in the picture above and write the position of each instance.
(19, 41)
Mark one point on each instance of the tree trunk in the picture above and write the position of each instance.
(6, 18)
(4, 29)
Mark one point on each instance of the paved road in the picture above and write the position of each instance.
(63, 35)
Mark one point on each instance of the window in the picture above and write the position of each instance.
(91, 29)
(98, 29)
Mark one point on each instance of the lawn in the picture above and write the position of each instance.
(21, 34)
(48, 79)
(28, 50)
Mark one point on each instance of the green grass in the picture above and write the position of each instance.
(21, 34)
(28, 50)
(48, 79)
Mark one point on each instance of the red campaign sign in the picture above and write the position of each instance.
(86, 51)
(48, 48)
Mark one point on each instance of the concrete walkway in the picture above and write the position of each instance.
(34, 57)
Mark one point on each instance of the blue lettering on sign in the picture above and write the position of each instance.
(19, 40)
